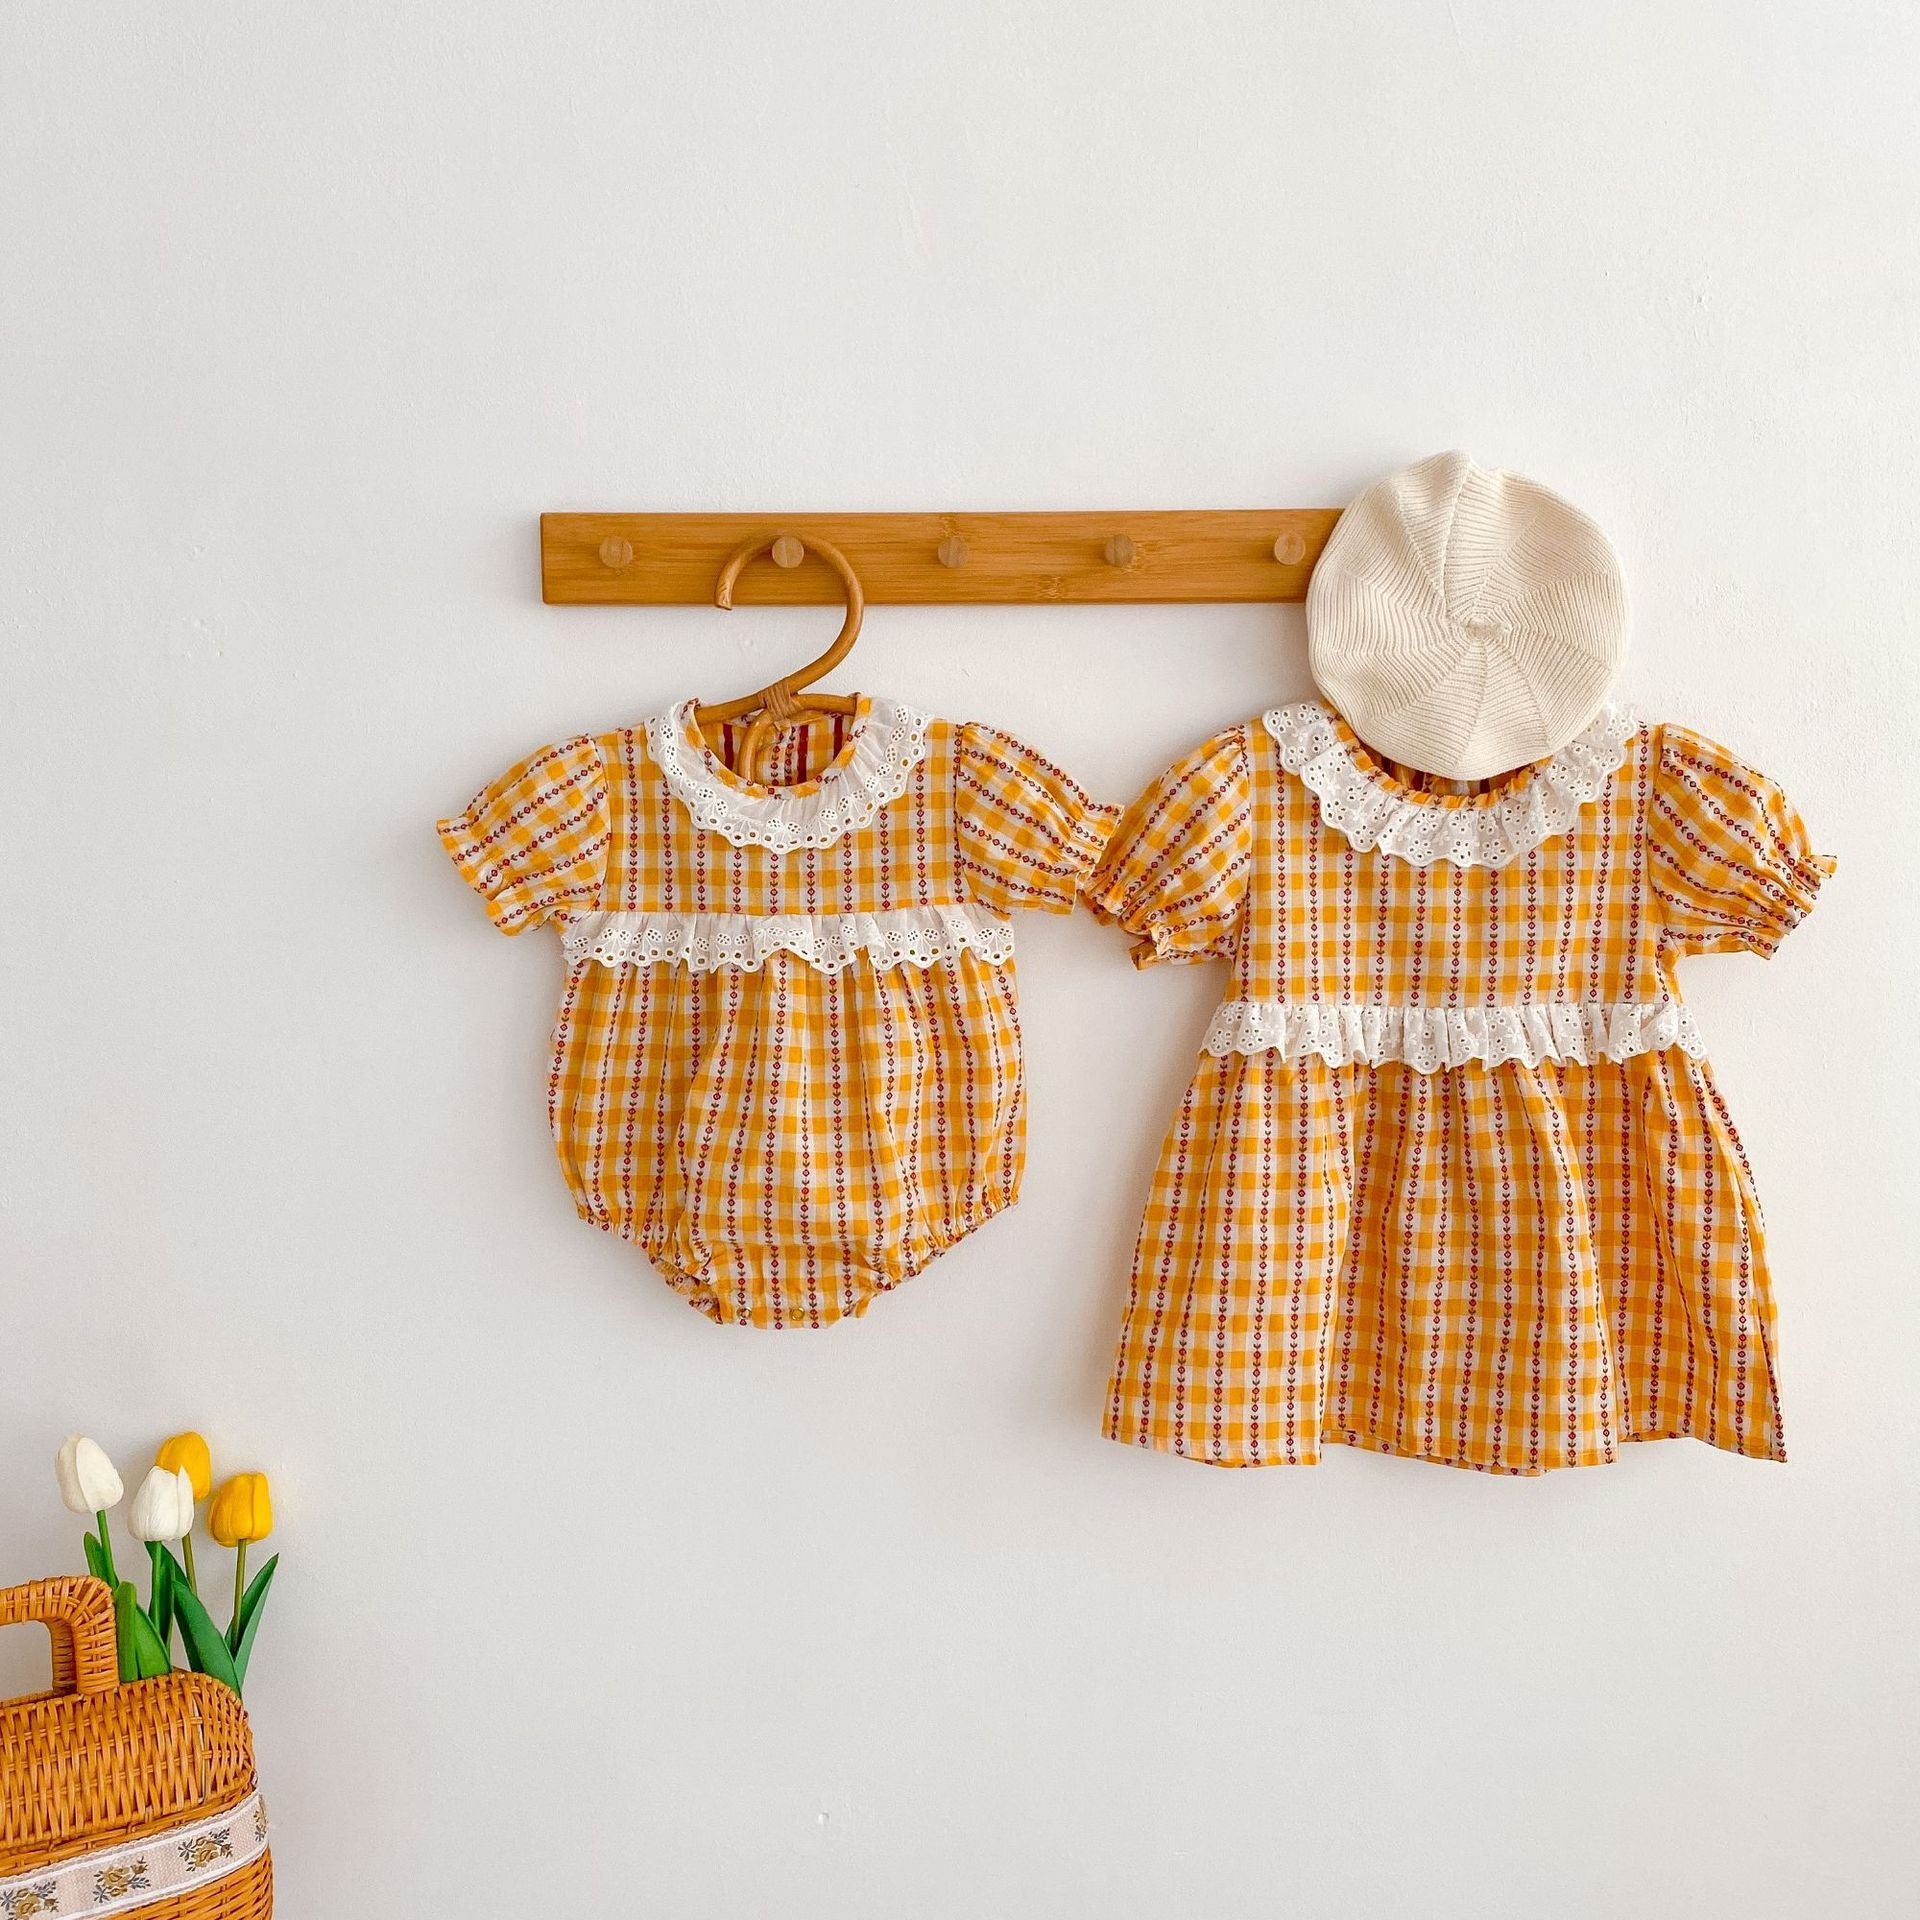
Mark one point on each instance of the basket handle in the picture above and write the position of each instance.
(77, 1612)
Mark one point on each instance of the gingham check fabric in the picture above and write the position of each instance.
(1511, 1267)
(783, 1141)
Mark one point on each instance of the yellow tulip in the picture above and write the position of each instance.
(188, 1451)
(242, 1510)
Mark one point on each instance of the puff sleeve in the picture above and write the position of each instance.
(1175, 873)
(1731, 864)
(1024, 834)
(536, 840)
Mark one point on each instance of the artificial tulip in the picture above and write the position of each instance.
(242, 1511)
(188, 1453)
(88, 1484)
(162, 1509)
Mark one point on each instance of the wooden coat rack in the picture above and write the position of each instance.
(673, 559)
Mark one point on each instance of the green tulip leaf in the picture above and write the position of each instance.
(177, 1584)
(126, 1609)
(160, 1594)
(96, 1560)
(248, 1619)
(150, 1653)
(255, 1593)
(206, 1650)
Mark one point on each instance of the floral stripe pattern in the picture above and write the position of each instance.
(787, 1061)
(141, 1873)
(1452, 1179)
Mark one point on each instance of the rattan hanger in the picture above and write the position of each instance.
(779, 704)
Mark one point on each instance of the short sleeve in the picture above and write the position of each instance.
(1731, 865)
(1176, 870)
(1025, 834)
(536, 840)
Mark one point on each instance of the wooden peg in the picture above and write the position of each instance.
(952, 551)
(616, 553)
(787, 551)
(1120, 550)
(1289, 549)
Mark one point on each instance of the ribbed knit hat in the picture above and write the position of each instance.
(1466, 622)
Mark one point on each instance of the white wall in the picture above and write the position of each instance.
(588, 1606)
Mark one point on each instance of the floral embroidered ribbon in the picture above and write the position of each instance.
(141, 1872)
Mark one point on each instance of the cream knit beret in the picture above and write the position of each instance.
(1466, 622)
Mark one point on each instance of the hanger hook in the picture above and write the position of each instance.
(765, 543)
(838, 561)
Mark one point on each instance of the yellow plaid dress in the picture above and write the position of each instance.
(787, 1058)
(1453, 1179)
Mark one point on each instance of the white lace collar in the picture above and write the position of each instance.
(1361, 800)
(886, 742)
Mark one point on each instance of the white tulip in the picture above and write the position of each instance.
(162, 1508)
(88, 1483)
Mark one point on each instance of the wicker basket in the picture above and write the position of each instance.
(120, 1799)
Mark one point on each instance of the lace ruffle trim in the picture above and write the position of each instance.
(1432, 1039)
(890, 741)
(1421, 828)
(828, 942)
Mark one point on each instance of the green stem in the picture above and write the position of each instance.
(106, 1548)
(239, 1578)
(186, 1545)
(156, 1587)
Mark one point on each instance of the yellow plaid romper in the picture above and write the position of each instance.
(787, 1058)
(1453, 1179)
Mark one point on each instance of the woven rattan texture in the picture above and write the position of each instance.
(93, 1764)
